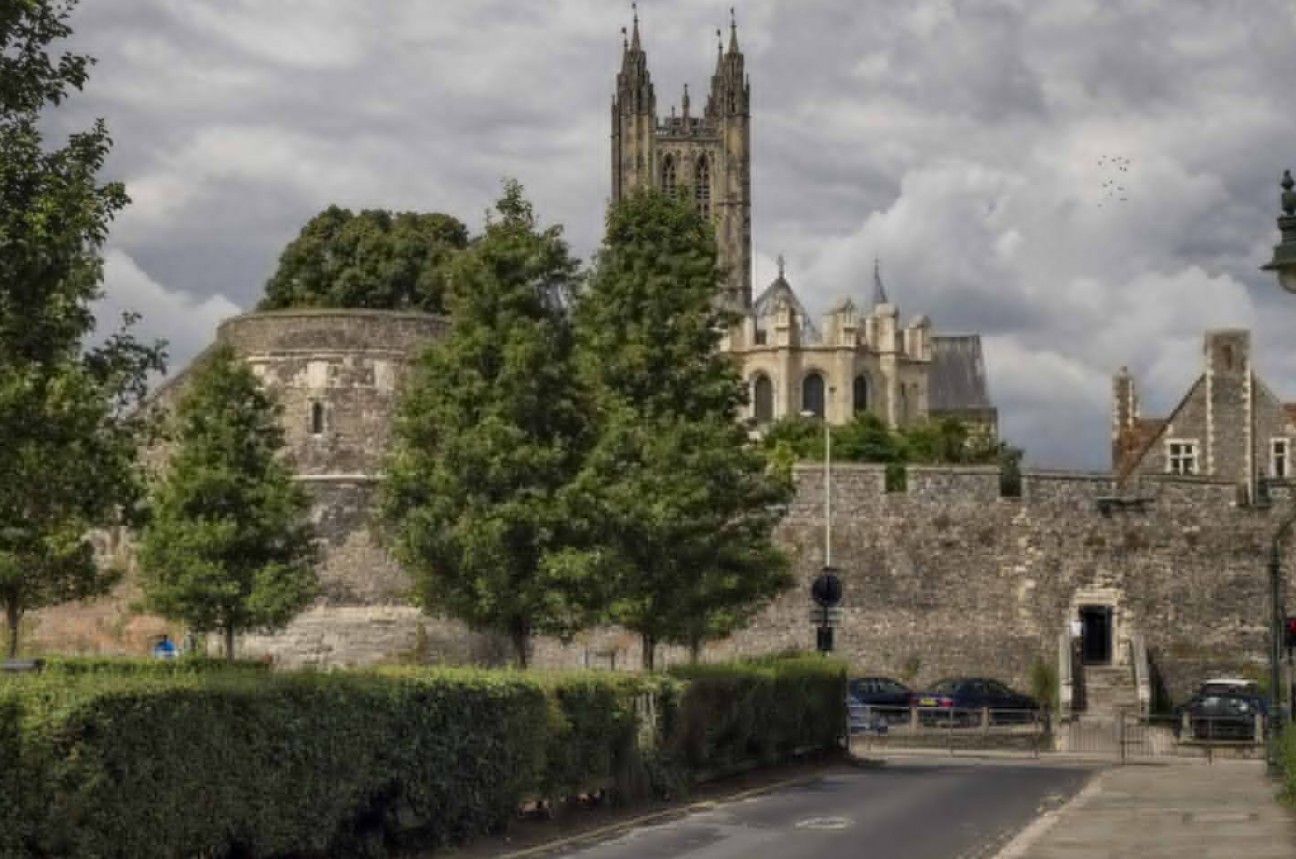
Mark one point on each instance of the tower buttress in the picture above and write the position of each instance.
(634, 119)
(711, 153)
(729, 108)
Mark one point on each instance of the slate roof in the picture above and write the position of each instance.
(958, 377)
(764, 305)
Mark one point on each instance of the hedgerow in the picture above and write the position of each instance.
(242, 763)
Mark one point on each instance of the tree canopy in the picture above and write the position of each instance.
(686, 505)
(491, 432)
(229, 545)
(375, 259)
(68, 410)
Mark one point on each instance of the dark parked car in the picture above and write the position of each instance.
(876, 702)
(1224, 709)
(960, 700)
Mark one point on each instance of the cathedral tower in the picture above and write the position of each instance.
(706, 156)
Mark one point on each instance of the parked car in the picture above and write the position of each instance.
(960, 700)
(876, 702)
(1224, 708)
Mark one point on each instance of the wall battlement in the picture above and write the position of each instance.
(863, 486)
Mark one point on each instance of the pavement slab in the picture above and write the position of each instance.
(1224, 810)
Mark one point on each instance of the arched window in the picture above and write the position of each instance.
(317, 418)
(668, 175)
(763, 399)
(812, 394)
(860, 393)
(702, 187)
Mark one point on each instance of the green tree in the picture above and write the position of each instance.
(376, 259)
(479, 496)
(68, 413)
(687, 505)
(229, 546)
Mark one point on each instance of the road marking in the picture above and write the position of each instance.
(827, 823)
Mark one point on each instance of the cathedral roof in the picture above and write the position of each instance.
(958, 378)
(778, 292)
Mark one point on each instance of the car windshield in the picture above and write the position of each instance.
(891, 686)
(1227, 689)
(945, 687)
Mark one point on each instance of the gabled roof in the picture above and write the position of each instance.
(768, 300)
(957, 379)
(1156, 429)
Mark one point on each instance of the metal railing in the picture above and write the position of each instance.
(947, 727)
(1124, 737)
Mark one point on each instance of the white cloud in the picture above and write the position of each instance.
(187, 322)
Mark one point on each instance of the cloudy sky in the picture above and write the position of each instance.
(975, 146)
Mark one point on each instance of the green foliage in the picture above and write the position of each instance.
(867, 439)
(133, 666)
(286, 764)
(909, 671)
(684, 505)
(1044, 684)
(229, 762)
(13, 797)
(490, 434)
(228, 547)
(376, 259)
(1287, 763)
(67, 413)
(762, 710)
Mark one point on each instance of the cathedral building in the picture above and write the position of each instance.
(863, 358)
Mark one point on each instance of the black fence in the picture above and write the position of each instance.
(1123, 737)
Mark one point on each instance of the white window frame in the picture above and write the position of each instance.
(1280, 455)
(1186, 452)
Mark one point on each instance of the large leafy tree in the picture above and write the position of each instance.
(375, 259)
(68, 415)
(491, 431)
(229, 545)
(687, 504)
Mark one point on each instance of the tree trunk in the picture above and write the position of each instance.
(649, 651)
(13, 615)
(229, 642)
(695, 650)
(520, 637)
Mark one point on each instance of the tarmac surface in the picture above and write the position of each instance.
(915, 809)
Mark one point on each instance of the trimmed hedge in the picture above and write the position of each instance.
(11, 786)
(134, 665)
(237, 763)
(759, 710)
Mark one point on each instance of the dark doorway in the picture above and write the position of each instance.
(1095, 634)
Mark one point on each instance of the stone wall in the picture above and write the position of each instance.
(955, 580)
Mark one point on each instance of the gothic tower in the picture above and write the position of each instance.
(707, 156)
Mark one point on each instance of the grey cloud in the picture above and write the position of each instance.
(958, 140)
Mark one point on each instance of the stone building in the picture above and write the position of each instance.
(864, 358)
(1229, 425)
(337, 374)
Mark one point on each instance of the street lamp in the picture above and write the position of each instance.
(1284, 255)
(1284, 265)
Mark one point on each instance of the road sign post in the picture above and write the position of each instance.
(826, 591)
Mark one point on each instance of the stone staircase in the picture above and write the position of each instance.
(1107, 691)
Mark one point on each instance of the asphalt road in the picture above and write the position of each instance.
(905, 810)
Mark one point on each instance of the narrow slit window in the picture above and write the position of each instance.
(317, 418)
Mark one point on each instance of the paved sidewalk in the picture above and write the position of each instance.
(1226, 810)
